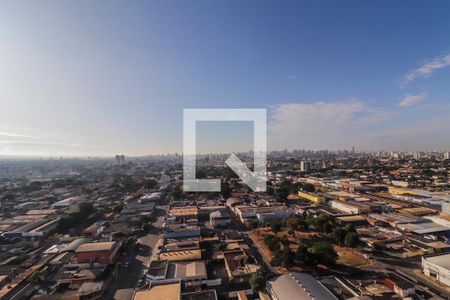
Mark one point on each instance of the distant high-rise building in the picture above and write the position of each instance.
(120, 159)
(305, 166)
(447, 155)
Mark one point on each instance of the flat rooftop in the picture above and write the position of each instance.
(181, 255)
(91, 247)
(160, 292)
(201, 295)
(424, 228)
(299, 286)
(352, 218)
(440, 260)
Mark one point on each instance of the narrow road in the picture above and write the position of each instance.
(413, 270)
(135, 263)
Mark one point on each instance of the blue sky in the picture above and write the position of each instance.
(106, 77)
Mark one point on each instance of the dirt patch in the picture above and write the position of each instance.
(346, 256)
(258, 235)
(350, 258)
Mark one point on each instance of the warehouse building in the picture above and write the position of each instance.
(220, 218)
(298, 286)
(102, 252)
(437, 267)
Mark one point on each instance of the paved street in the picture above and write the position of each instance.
(138, 259)
(412, 269)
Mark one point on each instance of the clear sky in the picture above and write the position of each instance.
(107, 77)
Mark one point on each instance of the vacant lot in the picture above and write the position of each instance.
(259, 234)
(346, 255)
(350, 258)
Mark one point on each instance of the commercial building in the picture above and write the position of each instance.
(96, 228)
(220, 218)
(187, 271)
(27, 229)
(350, 207)
(238, 265)
(170, 291)
(300, 286)
(157, 270)
(102, 252)
(393, 219)
(399, 285)
(311, 197)
(66, 203)
(139, 209)
(182, 231)
(262, 215)
(305, 166)
(443, 220)
(437, 267)
(182, 255)
(153, 197)
(43, 230)
(426, 228)
(419, 211)
(355, 220)
(200, 295)
(269, 214)
(183, 212)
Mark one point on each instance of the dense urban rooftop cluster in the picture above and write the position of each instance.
(331, 225)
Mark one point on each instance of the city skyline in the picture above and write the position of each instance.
(87, 79)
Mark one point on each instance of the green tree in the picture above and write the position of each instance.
(150, 184)
(351, 239)
(293, 223)
(339, 234)
(225, 189)
(287, 257)
(272, 242)
(253, 224)
(285, 241)
(277, 258)
(350, 228)
(201, 174)
(176, 193)
(9, 197)
(257, 282)
(276, 226)
(118, 234)
(143, 220)
(146, 227)
(324, 253)
(301, 255)
(94, 217)
(118, 207)
(65, 223)
(85, 209)
(131, 242)
(323, 223)
(37, 276)
(281, 194)
(308, 187)
(303, 225)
